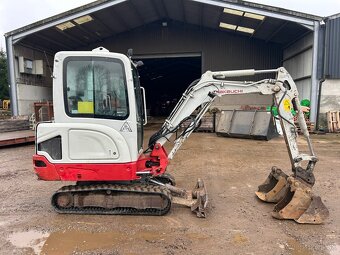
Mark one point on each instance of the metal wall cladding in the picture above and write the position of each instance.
(44, 80)
(304, 87)
(301, 65)
(220, 50)
(298, 60)
(298, 57)
(332, 58)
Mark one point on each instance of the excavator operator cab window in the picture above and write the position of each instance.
(95, 87)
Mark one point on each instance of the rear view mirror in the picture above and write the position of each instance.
(139, 63)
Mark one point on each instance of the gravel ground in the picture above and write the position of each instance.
(237, 222)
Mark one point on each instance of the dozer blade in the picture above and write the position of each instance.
(300, 204)
(197, 199)
(275, 186)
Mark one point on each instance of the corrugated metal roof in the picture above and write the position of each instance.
(113, 17)
(139, 5)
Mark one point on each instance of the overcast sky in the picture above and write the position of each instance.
(17, 13)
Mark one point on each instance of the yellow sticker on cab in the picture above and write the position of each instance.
(287, 105)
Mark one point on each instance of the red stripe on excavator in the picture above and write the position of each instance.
(157, 159)
(83, 172)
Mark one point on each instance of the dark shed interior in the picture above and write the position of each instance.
(165, 80)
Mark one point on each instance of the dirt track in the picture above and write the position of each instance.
(237, 223)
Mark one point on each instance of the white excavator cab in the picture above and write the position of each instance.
(98, 109)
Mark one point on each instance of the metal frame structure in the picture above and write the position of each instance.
(315, 80)
(309, 21)
(11, 75)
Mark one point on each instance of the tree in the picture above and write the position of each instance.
(4, 92)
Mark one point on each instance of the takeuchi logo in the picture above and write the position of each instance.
(229, 91)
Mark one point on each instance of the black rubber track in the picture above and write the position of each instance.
(134, 188)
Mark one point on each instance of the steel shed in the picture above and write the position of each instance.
(224, 34)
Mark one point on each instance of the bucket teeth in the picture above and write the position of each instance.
(300, 204)
(275, 186)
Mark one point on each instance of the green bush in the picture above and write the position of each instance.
(4, 91)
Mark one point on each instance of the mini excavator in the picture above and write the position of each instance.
(96, 140)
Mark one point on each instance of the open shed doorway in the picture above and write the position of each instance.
(165, 79)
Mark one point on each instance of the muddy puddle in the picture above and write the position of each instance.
(334, 249)
(66, 242)
(239, 239)
(30, 239)
(70, 241)
(296, 248)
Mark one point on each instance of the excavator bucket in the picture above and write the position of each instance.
(300, 204)
(197, 199)
(275, 186)
(200, 194)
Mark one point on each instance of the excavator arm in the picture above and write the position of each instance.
(293, 193)
(214, 84)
